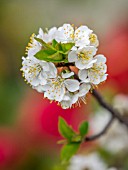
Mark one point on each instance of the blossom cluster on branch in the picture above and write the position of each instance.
(62, 63)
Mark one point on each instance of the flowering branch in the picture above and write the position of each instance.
(63, 64)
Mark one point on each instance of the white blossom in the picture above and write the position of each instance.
(120, 102)
(50, 35)
(34, 46)
(83, 58)
(97, 73)
(65, 34)
(93, 40)
(81, 36)
(116, 138)
(37, 72)
(56, 88)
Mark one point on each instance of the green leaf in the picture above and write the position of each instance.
(83, 129)
(54, 43)
(49, 55)
(46, 45)
(66, 47)
(68, 151)
(65, 130)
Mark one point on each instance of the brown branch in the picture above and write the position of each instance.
(64, 64)
(98, 135)
(108, 107)
(114, 113)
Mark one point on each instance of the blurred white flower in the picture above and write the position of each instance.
(37, 72)
(112, 168)
(120, 102)
(97, 73)
(89, 162)
(83, 58)
(116, 138)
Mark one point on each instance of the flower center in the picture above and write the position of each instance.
(84, 55)
(98, 68)
(58, 82)
(92, 38)
(35, 69)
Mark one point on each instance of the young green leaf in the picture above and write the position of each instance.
(54, 43)
(46, 45)
(65, 130)
(68, 151)
(66, 47)
(83, 129)
(49, 55)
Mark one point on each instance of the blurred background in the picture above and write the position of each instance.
(28, 123)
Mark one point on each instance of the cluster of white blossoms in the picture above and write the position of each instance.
(67, 66)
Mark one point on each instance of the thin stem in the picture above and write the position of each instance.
(64, 64)
(108, 107)
(94, 137)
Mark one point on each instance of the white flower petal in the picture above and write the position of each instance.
(90, 64)
(72, 85)
(65, 104)
(82, 36)
(75, 98)
(35, 82)
(100, 58)
(72, 56)
(39, 88)
(83, 74)
(67, 75)
(94, 78)
(91, 49)
(104, 77)
(84, 89)
(81, 64)
(65, 34)
(41, 33)
(52, 70)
